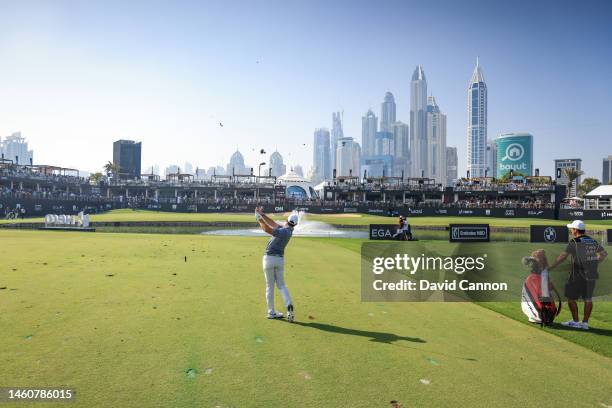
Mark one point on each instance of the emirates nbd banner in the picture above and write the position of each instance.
(515, 152)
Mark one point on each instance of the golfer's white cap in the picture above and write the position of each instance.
(577, 224)
(293, 219)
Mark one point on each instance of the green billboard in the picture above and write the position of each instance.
(514, 152)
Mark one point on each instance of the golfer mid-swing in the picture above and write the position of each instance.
(274, 262)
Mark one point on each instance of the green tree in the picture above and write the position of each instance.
(111, 168)
(587, 185)
(96, 177)
(572, 174)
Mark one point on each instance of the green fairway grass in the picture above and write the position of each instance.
(126, 215)
(505, 264)
(144, 320)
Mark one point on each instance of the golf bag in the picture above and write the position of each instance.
(538, 299)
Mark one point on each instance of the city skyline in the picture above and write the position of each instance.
(78, 77)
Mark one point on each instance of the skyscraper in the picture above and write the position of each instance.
(418, 123)
(606, 177)
(436, 142)
(236, 165)
(276, 165)
(387, 112)
(452, 161)
(298, 170)
(321, 157)
(401, 140)
(127, 156)
(348, 157)
(336, 134)
(15, 148)
(491, 170)
(369, 126)
(477, 124)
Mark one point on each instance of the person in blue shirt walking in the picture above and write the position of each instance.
(274, 260)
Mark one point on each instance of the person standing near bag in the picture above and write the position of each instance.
(586, 254)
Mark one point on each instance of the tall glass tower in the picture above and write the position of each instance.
(336, 134)
(477, 124)
(436, 142)
(387, 113)
(369, 125)
(418, 123)
(321, 156)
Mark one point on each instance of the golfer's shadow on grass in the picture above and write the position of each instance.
(377, 337)
(593, 330)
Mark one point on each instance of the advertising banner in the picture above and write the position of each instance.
(382, 232)
(515, 153)
(469, 233)
(548, 233)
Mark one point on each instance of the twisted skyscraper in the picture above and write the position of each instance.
(477, 124)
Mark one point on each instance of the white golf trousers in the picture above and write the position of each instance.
(274, 270)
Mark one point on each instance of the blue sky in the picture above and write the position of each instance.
(77, 75)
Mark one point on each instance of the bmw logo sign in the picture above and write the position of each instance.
(550, 235)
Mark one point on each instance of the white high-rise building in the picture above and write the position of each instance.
(336, 134)
(436, 142)
(477, 124)
(418, 123)
(369, 126)
(387, 113)
(15, 148)
(401, 139)
(321, 156)
(348, 157)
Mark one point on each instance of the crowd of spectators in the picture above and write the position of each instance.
(510, 186)
(24, 183)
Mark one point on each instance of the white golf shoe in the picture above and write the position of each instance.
(275, 315)
(572, 324)
(584, 325)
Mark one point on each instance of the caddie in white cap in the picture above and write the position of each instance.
(274, 260)
(586, 254)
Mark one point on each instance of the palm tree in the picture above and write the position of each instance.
(572, 174)
(96, 177)
(587, 185)
(111, 168)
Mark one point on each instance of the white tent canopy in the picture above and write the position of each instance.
(601, 192)
(599, 199)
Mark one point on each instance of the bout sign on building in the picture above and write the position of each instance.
(469, 233)
(514, 152)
